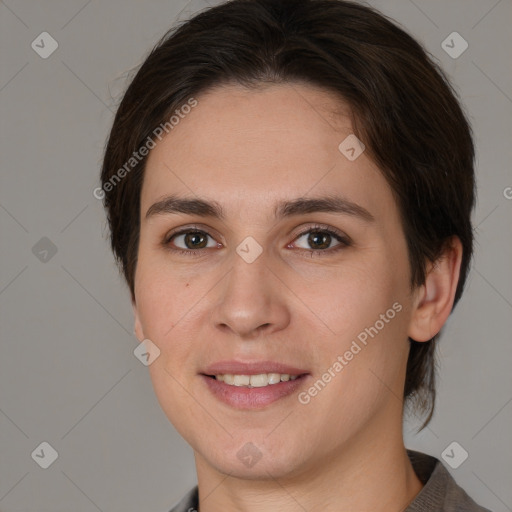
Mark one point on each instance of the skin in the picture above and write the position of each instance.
(247, 149)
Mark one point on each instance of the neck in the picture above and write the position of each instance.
(372, 472)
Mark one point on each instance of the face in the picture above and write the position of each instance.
(266, 290)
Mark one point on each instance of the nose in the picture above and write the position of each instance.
(252, 300)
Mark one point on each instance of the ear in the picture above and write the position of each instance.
(138, 326)
(434, 299)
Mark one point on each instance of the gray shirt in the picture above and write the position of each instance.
(439, 494)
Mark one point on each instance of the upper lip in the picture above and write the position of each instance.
(251, 368)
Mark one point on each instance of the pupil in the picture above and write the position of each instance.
(313, 238)
(193, 238)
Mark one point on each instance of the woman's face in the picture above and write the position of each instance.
(267, 289)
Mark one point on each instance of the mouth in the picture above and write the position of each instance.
(259, 380)
(252, 385)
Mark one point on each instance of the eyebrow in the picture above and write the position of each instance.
(300, 206)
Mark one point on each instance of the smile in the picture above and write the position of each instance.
(246, 392)
(254, 381)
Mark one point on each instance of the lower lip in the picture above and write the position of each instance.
(243, 397)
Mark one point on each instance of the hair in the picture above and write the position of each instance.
(403, 108)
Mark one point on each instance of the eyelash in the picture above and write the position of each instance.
(339, 236)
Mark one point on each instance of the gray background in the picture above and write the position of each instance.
(68, 375)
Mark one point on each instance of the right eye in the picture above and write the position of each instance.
(191, 239)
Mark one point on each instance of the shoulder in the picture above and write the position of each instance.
(440, 492)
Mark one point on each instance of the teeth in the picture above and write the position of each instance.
(241, 380)
(255, 381)
(228, 379)
(275, 378)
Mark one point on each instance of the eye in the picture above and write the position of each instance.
(319, 240)
(188, 241)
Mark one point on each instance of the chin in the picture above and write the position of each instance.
(264, 469)
(254, 461)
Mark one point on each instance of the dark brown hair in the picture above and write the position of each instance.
(403, 107)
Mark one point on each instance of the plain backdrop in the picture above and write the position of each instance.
(68, 374)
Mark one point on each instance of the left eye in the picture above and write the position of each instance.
(320, 239)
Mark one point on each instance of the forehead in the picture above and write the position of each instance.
(252, 147)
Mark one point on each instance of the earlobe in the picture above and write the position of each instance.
(436, 296)
(137, 330)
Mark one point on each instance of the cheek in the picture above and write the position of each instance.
(162, 295)
(164, 303)
(367, 311)
(353, 300)
(363, 370)
(159, 313)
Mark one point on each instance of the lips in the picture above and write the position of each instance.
(231, 382)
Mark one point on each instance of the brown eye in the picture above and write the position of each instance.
(195, 240)
(189, 241)
(320, 240)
